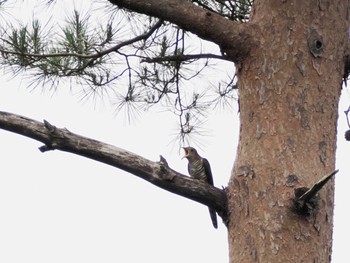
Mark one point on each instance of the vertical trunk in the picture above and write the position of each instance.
(289, 92)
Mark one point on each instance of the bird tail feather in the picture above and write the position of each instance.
(213, 217)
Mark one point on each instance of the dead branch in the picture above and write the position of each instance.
(157, 173)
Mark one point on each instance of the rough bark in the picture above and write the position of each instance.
(289, 92)
(157, 173)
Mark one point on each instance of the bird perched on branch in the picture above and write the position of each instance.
(199, 168)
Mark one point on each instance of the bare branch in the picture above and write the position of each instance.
(157, 173)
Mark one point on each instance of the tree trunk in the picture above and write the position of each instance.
(289, 92)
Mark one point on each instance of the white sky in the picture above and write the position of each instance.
(57, 207)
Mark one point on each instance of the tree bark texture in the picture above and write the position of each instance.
(289, 91)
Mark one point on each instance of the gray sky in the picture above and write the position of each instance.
(57, 207)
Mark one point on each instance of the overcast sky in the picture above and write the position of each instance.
(57, 207)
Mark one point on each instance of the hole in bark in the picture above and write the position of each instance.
(318, 44)
(292, 180)
(315, 43)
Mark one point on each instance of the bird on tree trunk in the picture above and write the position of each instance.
(199, 168)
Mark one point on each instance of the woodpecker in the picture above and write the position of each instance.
(199, 168)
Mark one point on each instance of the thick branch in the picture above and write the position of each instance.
(234, 38)
(157, 173)
(182, 57)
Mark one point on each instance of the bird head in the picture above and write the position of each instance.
(190, 153)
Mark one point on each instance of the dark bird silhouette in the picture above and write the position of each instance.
(199, 168)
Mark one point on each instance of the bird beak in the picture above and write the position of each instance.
(186, 152)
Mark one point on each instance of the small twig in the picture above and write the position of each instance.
(49, 126)
(163, 160)
(45, 148)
